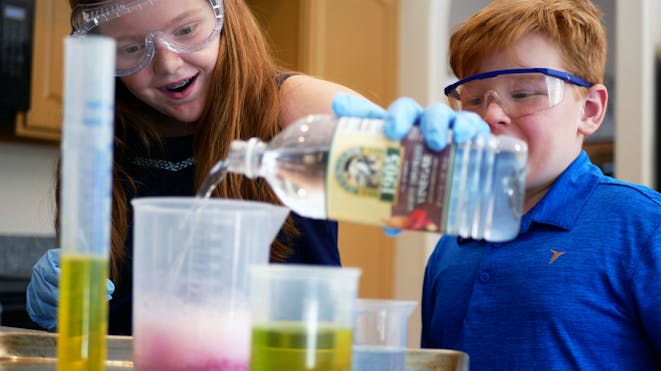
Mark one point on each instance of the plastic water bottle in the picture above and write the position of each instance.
(346, 169)
(85, 213)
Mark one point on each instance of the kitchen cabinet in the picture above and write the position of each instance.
(51, 26)
(354, 43)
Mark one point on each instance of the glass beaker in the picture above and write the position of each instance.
(380, 334)
(190, 285)
(303, 317)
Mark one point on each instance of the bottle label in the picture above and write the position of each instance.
(377, 181)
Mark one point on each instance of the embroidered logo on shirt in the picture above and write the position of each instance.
(556, 255)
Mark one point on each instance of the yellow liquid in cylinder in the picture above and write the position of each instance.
(82, 313)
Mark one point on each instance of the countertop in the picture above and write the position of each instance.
(25, 349)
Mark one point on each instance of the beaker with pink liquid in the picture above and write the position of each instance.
(190, 280)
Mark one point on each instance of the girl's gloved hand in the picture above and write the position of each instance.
(403, 113)
(42, 292)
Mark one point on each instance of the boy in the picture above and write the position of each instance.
(580, 287)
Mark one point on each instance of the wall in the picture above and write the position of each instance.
(26, 188)
(635, 134)
(423, 44)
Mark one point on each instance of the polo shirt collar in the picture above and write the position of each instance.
(567, 197)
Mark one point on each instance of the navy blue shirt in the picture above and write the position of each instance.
(579, 288)
(171, 174)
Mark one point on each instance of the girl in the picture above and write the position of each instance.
(192, 75)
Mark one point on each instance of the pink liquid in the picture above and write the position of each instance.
(202, 342)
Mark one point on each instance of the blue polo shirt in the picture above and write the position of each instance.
(580, 288)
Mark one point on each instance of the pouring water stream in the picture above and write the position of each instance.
(215, 176)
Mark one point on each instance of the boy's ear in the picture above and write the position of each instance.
(594, 109)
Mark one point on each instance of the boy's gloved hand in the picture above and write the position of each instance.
(403, 113)
(42, 292)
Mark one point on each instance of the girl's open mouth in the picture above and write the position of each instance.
(179, 89)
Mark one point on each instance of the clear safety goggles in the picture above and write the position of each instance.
(183, 26)
(518, 92)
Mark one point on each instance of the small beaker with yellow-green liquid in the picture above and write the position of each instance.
(302, 317)
(85, 199)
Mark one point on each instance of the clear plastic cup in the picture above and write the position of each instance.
(303, 317)
(380, 334)
(190, 280)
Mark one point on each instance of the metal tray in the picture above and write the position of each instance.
(27, 350)
(436, 360)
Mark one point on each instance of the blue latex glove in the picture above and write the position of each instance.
(355, 106)
(403, 113)
(42, 292)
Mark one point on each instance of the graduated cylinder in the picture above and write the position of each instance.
(85, 202)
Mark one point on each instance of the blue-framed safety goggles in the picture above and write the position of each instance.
(519, 92)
